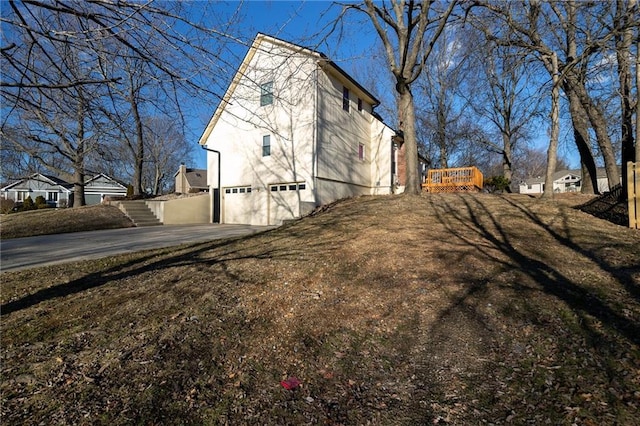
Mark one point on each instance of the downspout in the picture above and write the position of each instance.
(315, 135)
(219, 183)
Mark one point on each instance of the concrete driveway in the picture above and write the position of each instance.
(30, 252)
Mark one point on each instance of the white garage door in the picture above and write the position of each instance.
(284, 201)
(237, 202)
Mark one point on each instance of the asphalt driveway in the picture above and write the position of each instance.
(23, 253)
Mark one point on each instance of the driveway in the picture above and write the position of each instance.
(30, 252)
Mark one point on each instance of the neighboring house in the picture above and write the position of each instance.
(55, 191)
(564, 181)
(59, 193)
(293, 132)
(97, 188)
(190, 180)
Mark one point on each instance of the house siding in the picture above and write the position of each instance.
(314, 143)
(239, 132)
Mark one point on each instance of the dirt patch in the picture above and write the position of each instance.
(439, 309)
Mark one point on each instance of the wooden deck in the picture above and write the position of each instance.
(462, 179)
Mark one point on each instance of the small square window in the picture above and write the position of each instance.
(359, 104)
(292, 187)
(345, 99)
(248, 190)
(227, 191)
(266, 145)
(266, 93)
(235, 190)
(283, 187)
(242, 190)
(274, 188)
(302, 186)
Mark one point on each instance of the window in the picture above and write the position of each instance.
(266, 145)
(302, 186)
(529, 186)
(266, 93)
(359, 104)
(23, 195)
(283, 187)
(292, 187)
(52, 196)
(345, 99)
(360, 152)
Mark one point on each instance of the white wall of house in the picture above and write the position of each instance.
(288, 123)
(318, 151)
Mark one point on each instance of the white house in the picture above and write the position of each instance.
(293, 131)
(564, 181)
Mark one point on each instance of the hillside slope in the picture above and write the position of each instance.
(440, 309)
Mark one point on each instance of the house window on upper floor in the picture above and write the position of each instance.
(345, 99)
(359, 105)
(266, 145)
(266, 93)
(52, 196)
(360, 152)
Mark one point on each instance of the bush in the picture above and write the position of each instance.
(28, 204)
(6, 205)
(41, 203)
(497, 184)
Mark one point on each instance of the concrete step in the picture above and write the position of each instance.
(139, 213)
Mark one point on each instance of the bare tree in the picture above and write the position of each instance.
(502, 96)
(623, 13)
(165, 148)
(36, 75)
(408, 30)
(577, 34)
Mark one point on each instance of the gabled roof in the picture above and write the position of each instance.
(110, 182)
(40, 177)
(328, 65)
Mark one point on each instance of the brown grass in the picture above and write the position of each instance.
(60, 221)
(441, 309)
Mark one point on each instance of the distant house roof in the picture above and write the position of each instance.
(196, 178)
(601, 173)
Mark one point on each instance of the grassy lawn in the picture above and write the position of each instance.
(439, 309)
(60, 221)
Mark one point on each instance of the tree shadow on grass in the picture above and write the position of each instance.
(496, 244)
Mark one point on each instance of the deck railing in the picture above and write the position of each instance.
(460, 179)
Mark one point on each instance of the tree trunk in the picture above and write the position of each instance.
(407, 117)
(139, 154)
(599, 125)
(78, 158)
(623, 46)
(506, 155)
(552, 153)
(580, 122)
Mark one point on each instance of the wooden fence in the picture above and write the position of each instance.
(454, 180)
(633, 189)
